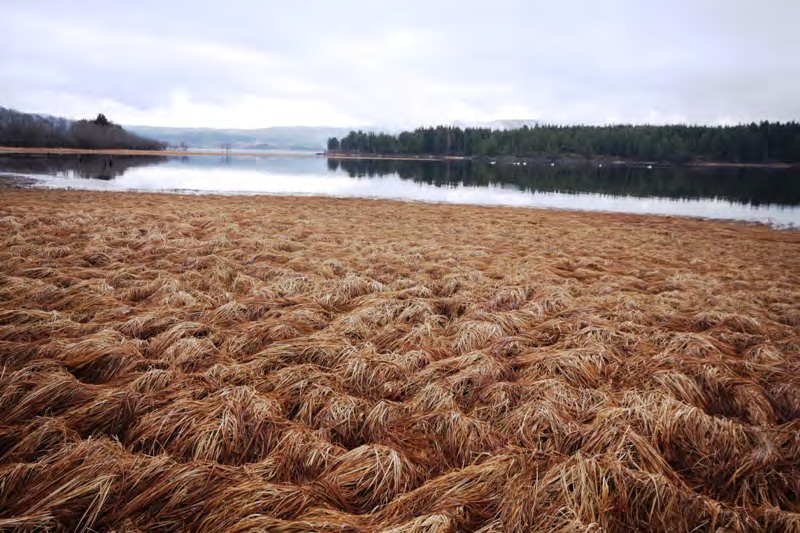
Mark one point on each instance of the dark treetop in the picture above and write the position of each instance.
(766, 142)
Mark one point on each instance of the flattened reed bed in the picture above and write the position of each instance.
(232, 364)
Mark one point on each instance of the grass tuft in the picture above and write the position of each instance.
(236, 364)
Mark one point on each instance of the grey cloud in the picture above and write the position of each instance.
(403, 62)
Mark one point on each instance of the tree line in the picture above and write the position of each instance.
(763, 142)
(24, 130)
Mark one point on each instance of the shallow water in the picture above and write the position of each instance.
(763, 195)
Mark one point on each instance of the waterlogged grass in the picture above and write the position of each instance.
(231, 364)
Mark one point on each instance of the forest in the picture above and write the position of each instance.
(765, 142)
(24, 130)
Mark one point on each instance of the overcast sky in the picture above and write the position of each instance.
(263, 63)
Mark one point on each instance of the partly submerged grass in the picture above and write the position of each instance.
(180, 363)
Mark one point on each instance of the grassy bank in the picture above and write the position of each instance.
(201, 363)
(234, 153)
(217, 153)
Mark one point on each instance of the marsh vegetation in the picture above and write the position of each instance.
(231, 364)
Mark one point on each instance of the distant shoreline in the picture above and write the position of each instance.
(120, 151)
(504, 160)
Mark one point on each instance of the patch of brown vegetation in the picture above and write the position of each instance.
(231, 364)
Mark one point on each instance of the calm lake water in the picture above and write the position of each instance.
(763, 195)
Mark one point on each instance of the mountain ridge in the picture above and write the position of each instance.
(285, 137)
(275, 137)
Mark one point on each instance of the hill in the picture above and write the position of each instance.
(27, 130)
(280, 137)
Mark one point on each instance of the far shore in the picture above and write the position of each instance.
(119, 151)
(506, 159)
(404, 157)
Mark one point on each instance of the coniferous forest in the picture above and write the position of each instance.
(24, 130)
(765, 142)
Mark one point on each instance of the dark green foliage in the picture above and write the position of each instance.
(101, 120)
(747, 143)
(35, 131)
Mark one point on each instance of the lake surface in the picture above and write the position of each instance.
(763, 195)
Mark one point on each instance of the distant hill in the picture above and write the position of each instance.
(25, 130)
(312, 138)
(280, 137)
(501, 124)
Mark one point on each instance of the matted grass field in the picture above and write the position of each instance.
(231, 364)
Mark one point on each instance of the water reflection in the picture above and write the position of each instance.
(755, 186)
(751, 194)
(102, 167)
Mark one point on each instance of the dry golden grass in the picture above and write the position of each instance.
(231, 364)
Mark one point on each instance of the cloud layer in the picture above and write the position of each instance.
(264, 63)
